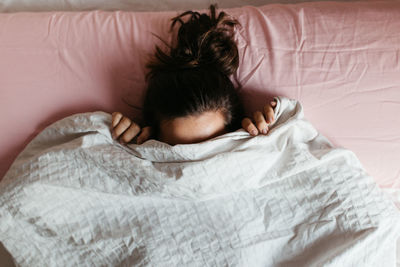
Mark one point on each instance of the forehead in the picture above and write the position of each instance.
(192, 129)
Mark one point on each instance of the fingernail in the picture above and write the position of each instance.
(254, 132)
(265, 131)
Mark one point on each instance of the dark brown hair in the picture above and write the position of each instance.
(192, 77)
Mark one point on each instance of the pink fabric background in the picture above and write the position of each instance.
(341, 60)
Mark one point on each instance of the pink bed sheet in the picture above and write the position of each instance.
(341, 60)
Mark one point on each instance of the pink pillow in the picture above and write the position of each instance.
(341, 60)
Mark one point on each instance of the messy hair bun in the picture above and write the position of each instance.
(203, 41)
(192, 77)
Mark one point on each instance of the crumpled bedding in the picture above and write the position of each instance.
(75, 197)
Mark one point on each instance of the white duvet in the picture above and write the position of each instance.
(75, 197)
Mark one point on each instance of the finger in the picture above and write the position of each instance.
(260, 122)
(116, 118)
(248, 125)
(144, 135)
(121, 127)
(273, 103)
(130, 133)
(269, 114)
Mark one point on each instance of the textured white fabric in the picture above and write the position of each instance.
(75, 197)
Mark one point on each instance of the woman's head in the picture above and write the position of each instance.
(190, 97)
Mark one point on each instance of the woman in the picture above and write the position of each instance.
(190, 97)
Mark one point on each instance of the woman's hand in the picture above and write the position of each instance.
(260, 121)
(126, 130)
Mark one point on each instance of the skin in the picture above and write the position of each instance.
(190, 129)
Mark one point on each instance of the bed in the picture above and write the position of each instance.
(339, 59)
